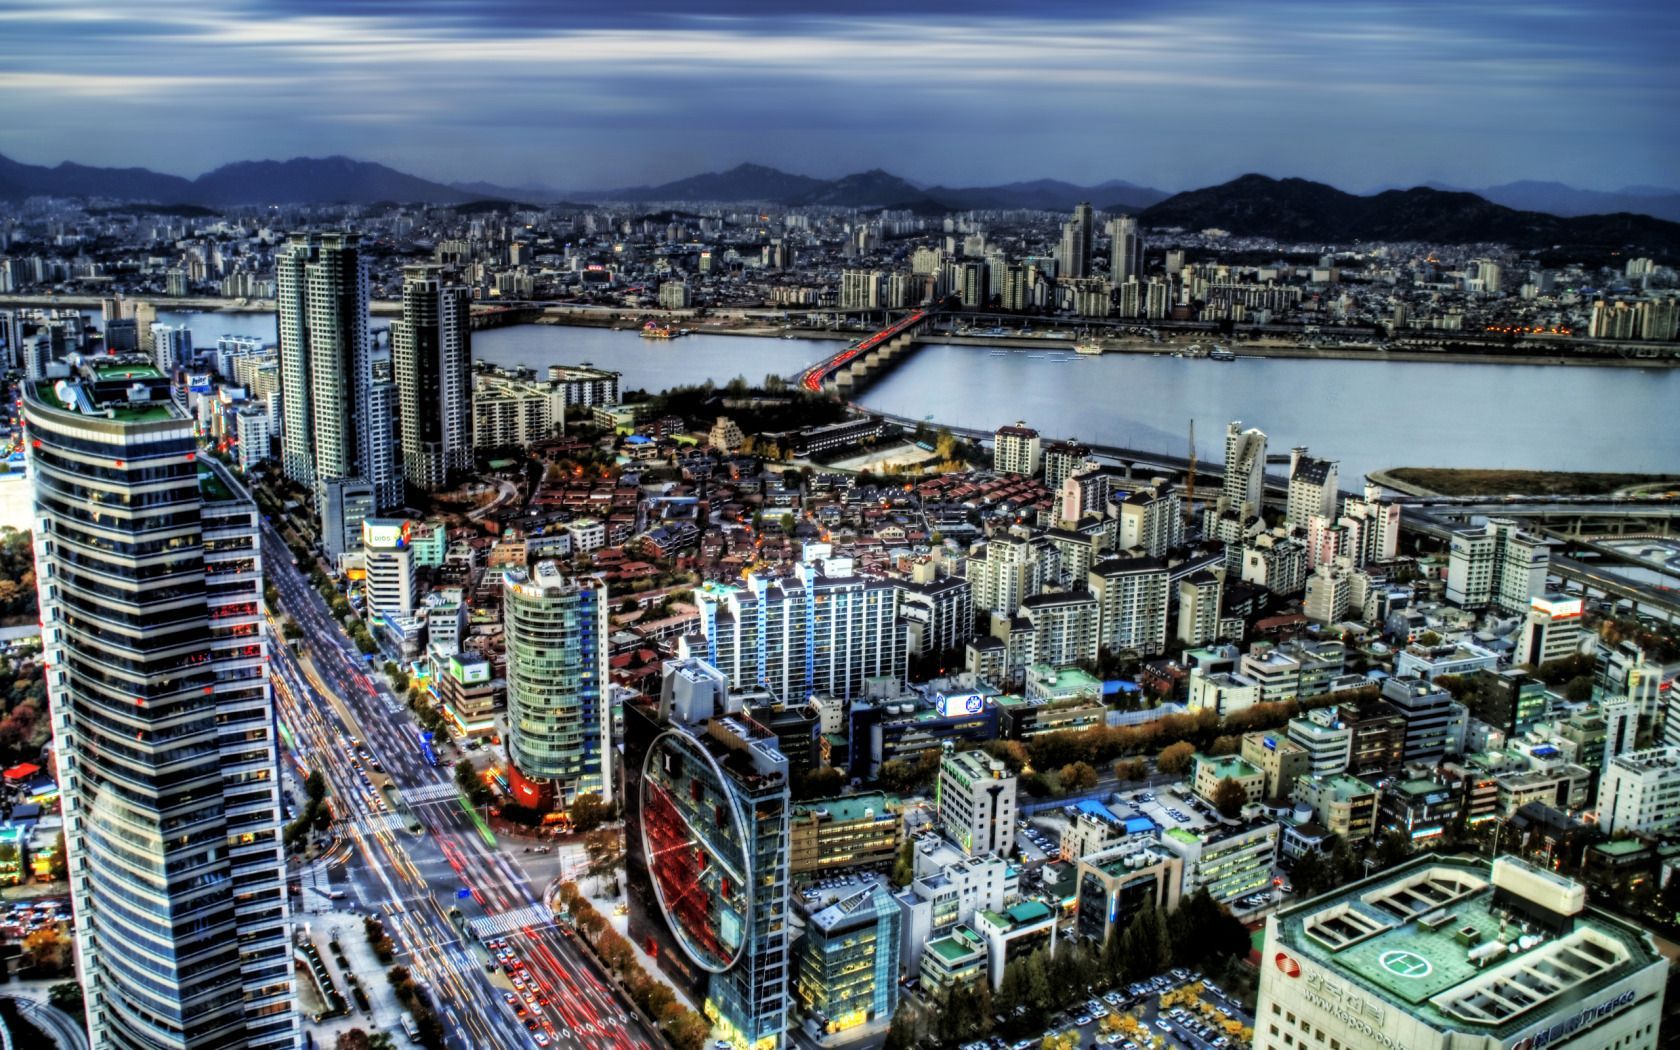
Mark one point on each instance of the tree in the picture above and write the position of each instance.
(589, 812)
(67, 997)
(901, 1034)
(1229, 797)
(353, 1039)
(47, 950)
(1175, 758)
(1077, 776)
(904, 865)
(1130, 769)
(605, 848)
(1310, 875)
(1035, 982)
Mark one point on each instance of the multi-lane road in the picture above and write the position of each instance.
(441, 891)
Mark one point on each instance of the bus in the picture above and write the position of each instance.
(426, 751)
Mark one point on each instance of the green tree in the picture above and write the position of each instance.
(589, 812)
(901, 1034)
(1035, 982)
(1310, 875)
(904, 865)
(67, 996)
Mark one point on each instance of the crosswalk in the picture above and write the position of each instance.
(384, 822)
(508, 921)
(430, 793)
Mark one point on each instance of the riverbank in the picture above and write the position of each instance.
(1442, 481)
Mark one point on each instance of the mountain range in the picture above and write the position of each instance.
(1523, 214)
(1304, 211)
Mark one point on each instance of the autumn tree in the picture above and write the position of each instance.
(1175, 758)
(1229, 797)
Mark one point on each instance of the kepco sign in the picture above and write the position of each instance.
(1566, 1028)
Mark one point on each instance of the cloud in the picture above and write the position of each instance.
(1177, 93)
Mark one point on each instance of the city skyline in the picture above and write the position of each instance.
(584, 99)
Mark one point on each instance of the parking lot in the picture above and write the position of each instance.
(1178, 1027)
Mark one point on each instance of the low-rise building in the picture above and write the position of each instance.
(836, 834)
(1116, 884)
(845, 966)
(1279, 759)
(1208, 771)
(1230, 862)
(1342, 805)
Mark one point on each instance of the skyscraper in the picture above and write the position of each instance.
(558, 720)
(1126, 252)
(707, 854)
(330, 428)
(150, 588)
(431, 349)
(1076, 242)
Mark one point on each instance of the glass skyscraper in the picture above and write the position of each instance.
(559, 724)
(147, 562)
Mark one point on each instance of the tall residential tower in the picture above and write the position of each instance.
(147, 562)
(431, 348)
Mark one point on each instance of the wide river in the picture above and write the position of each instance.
(1367, 414)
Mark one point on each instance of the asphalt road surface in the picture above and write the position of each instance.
(441, 891)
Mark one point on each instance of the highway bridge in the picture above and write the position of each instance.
(846, 372)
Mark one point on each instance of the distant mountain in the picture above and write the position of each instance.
(744, 182)
(867, 189)
(301, 180)
(1049, 195)
(530, 191)
(318, 180)
(19, 180)
(1299, 210)
(1559, 199)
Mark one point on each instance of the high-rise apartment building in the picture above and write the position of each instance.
(332, 425)
(559, 720)
(1245, 466)
(172, 347)
(1076, 242)
(707, 858)
(1151, 519)
(150, 586)
(1132, 593)
(1312, 488)
(808, 633)
(1126, 251)
(1017, 450)
(431, 351)
(1497, 564)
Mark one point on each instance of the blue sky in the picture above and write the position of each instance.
(583, 95)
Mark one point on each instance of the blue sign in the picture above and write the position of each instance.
(1271, 744)
(463, 893)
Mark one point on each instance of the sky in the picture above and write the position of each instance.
(585, 94)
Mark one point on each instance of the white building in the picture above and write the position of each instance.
(1132, 593)
(1639, 791)
(1437, 954)
(1312, 487)
(1017, 450)
(388, 558)
(975, 803)
(1245, 466)
(1550, 631)
(1497, 564)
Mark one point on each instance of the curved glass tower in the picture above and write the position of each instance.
(559, 726)
(150, 591)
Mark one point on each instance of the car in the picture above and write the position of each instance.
(1082, 1020)
(1162, 1025)
(540, 1038)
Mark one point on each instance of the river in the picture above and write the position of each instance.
(1367, 414)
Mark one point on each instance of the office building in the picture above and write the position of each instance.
(1014, 932)
(467, 691)
(1229, 862)
(804, 634)
(559, 722)
(1550, 631)
(1639, 791)
(706, 799)
(846, 962)
(431, 351)
(1017, 450)
(389, 587)
(182, 940)
(1327, 739)
(975, 802)
(1439, 953)
(1428, 712)
(837, 834)
(1116, 884)
(1343, 805)
(172, 347)
(334, 423)
(1497, 564)
(1245, 467)
(1208, 771)
(1280, 760)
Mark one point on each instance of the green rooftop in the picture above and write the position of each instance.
(126, 371)
(212, 488)
(1225, 766)
(848, 808)
(952, 950)
(1430, 940)
(1621, 847)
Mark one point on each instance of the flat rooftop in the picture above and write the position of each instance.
(1432, 939)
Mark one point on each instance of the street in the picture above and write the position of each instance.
(441, 891)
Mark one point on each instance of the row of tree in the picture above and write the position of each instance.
(684, 1028)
